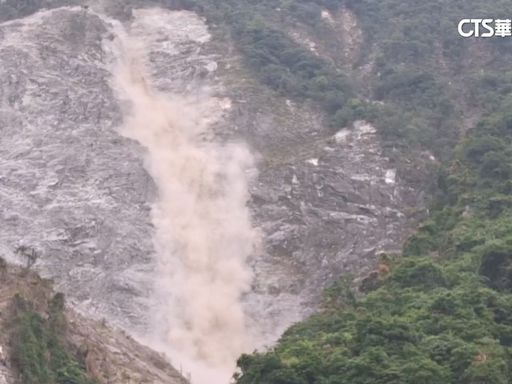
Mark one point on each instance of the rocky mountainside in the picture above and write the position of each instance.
(76, 190)
(310, 181)
(199, 172)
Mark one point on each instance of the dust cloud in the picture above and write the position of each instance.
(203, 226)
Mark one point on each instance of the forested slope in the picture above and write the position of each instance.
(441, 312)
(422, 85)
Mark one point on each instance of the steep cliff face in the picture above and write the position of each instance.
(118, 181)
(73, 188)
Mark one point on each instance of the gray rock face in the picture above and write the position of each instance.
(327, 205)
(5, 375)
(71, 186)
(331, 213)
(77, 191)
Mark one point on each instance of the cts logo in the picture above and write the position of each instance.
(473, 27)
(485, 28)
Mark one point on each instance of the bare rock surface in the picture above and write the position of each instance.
(76, 191)
(71, 187)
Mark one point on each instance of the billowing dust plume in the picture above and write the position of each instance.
(203, 227)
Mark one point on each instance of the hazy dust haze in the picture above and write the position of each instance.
(203, 226)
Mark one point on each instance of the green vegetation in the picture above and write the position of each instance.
(416, 110)
(422, 66)
(292, 70)
(420, 70)
(41, 353)
(443, 313)
(414, 61)
(281, 63)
